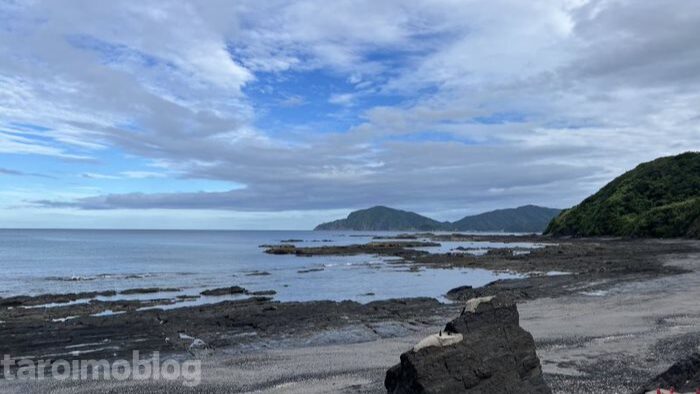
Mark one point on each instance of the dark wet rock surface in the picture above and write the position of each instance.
(52, 298)
(224, 291)
(236, 290)
(484, 350)
(386, 248)
(306, 271)
(244, 324)
(258, 273)
(262, 293)
(592, 256)
(683, 376)
(149, 290)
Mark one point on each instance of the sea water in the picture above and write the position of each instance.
(69, 261)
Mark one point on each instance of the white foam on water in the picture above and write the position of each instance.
(59, 304)
(63, 319)
(108, 312)
(99, 349)
(102, 342)
(596, 293)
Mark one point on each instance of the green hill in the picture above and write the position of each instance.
(525, 219)
(660, 198)
(383, 219)
(529, 218)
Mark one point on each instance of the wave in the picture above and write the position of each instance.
(86, 278)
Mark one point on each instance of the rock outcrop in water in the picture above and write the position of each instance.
(484, 350)
(683, 376)
(224, 291)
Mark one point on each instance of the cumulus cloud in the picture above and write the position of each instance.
(495, 103)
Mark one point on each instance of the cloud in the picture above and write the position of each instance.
(343, 98)
(124, 175)
(465, 105)
(292, 101)
(94, 175)
(9, 171)
(424, 188)
(142, 174)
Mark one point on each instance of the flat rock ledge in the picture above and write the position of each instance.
(484, 350)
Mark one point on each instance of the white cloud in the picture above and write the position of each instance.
(342, 98)
(142, 174)
(95, 175)
(292, 101)
(124, 175)
(539, 102)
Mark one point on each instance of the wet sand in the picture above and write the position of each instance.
(614, 341)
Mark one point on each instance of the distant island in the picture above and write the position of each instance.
(525, 219)
(659, 199)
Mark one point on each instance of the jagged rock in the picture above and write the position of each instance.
(484, 350)
(683, 376)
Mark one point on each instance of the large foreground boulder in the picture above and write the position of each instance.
(683, 376)
(484, 350)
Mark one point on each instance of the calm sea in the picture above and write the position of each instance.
(60, 261)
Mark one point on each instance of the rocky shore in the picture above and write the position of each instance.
(590, 272)
(248, 324)
(382, 248)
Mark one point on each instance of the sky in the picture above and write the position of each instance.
(283, 114)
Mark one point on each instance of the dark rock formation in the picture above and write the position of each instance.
(262, 293)
(683, 376)
(224, 291)
(393, 248)
(258, 273)
(149, 290)
(52, 298)
(306, 271)
(33, 332)
(484, 350)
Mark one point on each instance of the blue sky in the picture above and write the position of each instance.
(281, 114)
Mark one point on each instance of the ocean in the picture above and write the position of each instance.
(69, 261)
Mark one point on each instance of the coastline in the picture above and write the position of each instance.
(590, 325)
